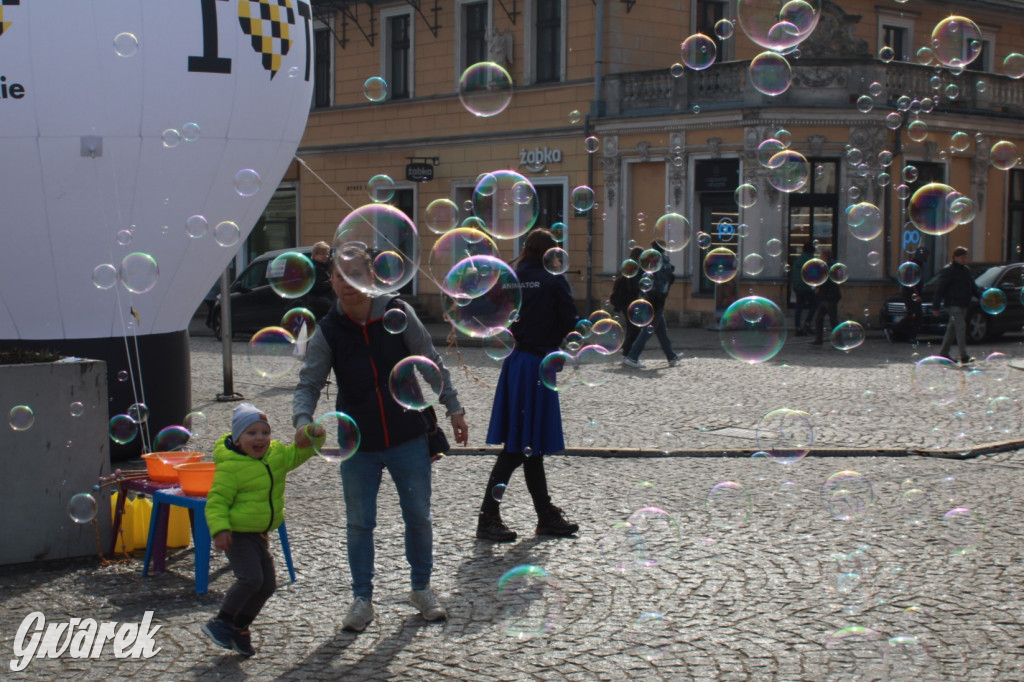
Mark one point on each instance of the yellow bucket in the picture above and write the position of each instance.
(135, 524)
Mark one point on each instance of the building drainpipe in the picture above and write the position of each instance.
(596, 111)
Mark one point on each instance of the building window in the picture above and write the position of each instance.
(897, 32)
(706, 15)
(1015, 213)
(548, 46)
(813, 212)
(474, 34)
(398, 56)
(982, 62)
(322, 72)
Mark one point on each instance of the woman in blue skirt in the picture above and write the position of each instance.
(525, 417)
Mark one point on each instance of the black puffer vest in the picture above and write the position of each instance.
(363, 357)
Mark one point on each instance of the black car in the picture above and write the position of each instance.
(255, 305)
(981, 326)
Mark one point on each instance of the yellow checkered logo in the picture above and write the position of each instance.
(267, 23)
(4, 16)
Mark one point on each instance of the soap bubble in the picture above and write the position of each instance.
(814, 272)
(575, 117)
(556, 260)
(864, 220)
(724, 28)
(196, 226)
(498, 492)
(376, 249)
(591, 144)
(698, 51)
(1013, 65)
(856, 653)
(753, 264)
(490, 312)
(788, 171)
(291, 275)
(728, 504)
(672, 232)
(650, 261)
(745, 195)
(139, 412)
(449, 267)
(21, 417)
(778, 25)
(126, 44)
(770, 73)
(190, 132)
(171, 438)
(938, 379)
(773, 247)
(847, 495)
(1004, 155)
(993, 301)
(786, 435)
(929, 209)
(380, 188)
(226, 233)
(138, 272)
(297, 319)
(82, 508)
(271, 352)
(375, 89)
(342, 437)
(838, 273)
(582, 199)
(557, 370)
(77, 409)
(441, 215)
(530, 602)
(752, 329)
(104, 276)
(956, 41)
(963, 529)
(247, 182)
(721, 264)
(640, 312)
(485, 89)
(499, 345)
(170, 138)
(498, 201)
(196, 423)
(416, 382)
(395, 321)
(608, 334)
(123, 429)
(847, 335)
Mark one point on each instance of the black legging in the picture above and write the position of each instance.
(536, 480)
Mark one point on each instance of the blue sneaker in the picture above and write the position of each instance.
(241, 642)
(220, 632)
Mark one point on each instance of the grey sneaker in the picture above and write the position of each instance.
(359, 615)
(674, 361)
(630, 362)
(426, 602)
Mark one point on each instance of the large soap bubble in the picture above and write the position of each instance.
(930, 210)
(490, 312)
(956, 41)
(291, 275)
(485, 89)
(673, 232)
(778, 25)
(376, 249)
(770, 73)
(786, 435)
(752, 329)
(507, 204)
(452, 248)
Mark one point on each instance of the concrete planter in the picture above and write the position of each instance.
(60, 455)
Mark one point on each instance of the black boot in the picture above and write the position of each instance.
(491, 527)
(552, 522)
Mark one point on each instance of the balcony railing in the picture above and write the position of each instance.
(817, 83)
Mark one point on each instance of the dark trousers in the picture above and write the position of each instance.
(805, 300)
(536, 480)
(829, 308)
(249, 555)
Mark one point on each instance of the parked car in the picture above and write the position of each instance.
(254, 303)
(981, 325)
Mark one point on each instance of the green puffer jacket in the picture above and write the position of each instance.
(247, 495)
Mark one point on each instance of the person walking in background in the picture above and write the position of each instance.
(245, 503)
(353, 341)
(625, 290)
(827, 296)
(955, 291)
(321, 295)
(912, 296)
(526, 418)
(803, 291)
(662, 278)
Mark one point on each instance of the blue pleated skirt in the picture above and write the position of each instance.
(525, 416)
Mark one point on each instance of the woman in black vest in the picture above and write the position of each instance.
(526, 417)
(353, 342)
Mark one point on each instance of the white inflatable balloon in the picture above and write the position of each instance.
(121, 120)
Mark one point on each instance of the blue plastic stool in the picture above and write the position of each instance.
(156, 546)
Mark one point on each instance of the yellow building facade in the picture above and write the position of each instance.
(673, 138)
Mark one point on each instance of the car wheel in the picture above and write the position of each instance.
(215, 326)
(977, 327)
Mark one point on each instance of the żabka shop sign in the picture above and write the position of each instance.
(537, 159)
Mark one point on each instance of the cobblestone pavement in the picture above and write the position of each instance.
(892, 551)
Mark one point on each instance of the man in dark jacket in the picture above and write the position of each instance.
(956, 289)
(827, 295)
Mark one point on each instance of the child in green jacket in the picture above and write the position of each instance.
(245, 503)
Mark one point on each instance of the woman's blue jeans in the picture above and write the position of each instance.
(409, 466)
